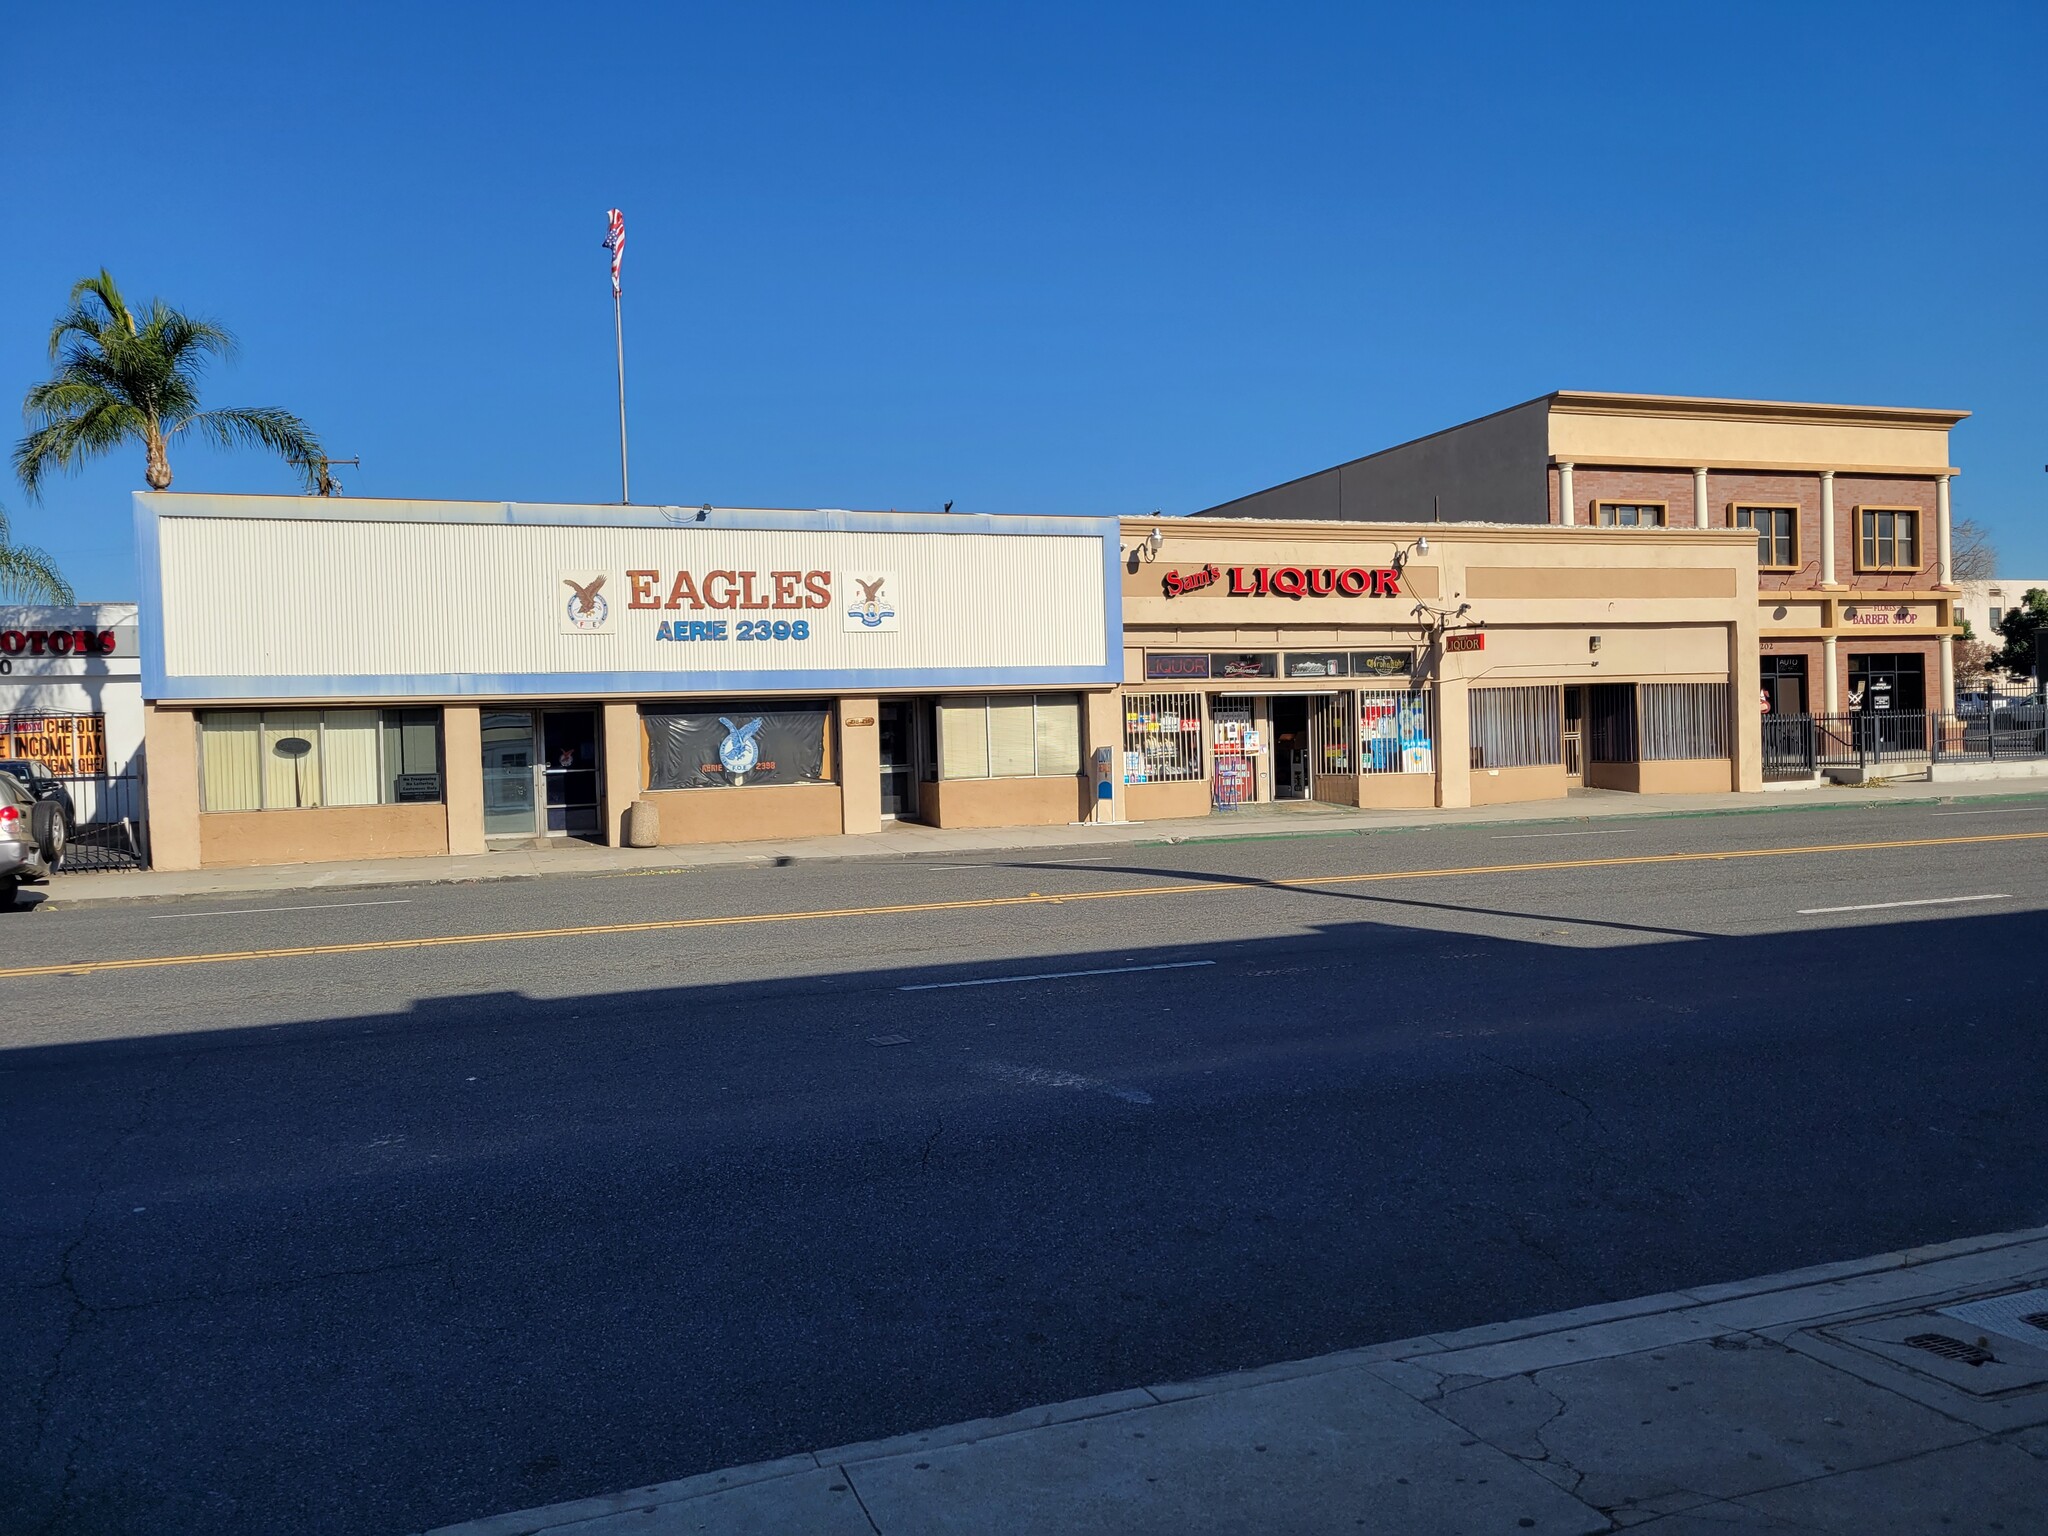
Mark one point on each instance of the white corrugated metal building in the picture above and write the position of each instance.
(355, 678)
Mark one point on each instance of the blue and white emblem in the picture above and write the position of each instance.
(739, 752)
(870, 600)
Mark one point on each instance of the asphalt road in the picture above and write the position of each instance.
(387, 1233)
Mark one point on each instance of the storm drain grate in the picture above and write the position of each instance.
(1958, 1350)
(2021, 1316)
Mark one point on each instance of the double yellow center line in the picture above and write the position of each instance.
(1035, 899)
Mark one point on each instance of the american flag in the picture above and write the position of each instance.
(615, 242)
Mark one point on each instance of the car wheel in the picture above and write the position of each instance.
(46, 824)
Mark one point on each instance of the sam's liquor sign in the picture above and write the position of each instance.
(1292, 581)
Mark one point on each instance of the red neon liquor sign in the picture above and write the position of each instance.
(1289, 581)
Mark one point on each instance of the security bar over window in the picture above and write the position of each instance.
(1163, 738)
(1395, 731)
(1515, 728)
(1682, 720)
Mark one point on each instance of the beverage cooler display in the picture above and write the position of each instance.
(1394, 734)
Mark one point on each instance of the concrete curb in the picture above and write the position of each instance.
(1424, 1367)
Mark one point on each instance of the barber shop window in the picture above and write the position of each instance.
(1629, 514)
(1891, 539)
(1017, 736)
(738, 745)
(1776, 534)
(305, 759)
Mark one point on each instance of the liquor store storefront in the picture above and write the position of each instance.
(1398, 666)
(355, 679)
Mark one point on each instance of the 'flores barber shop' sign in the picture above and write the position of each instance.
(1292, 581)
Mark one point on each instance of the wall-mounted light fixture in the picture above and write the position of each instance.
(1402, 554)
(1154, 542)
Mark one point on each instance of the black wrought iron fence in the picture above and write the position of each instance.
(106, 830)
(1878, 741)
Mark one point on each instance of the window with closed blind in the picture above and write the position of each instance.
(1014, 736)
(303, 759)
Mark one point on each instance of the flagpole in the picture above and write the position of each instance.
(619, 336)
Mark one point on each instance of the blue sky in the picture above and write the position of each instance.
(1097, 259)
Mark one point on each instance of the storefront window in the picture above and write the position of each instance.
(303, 759)
(1682, 720)
(1162, 738)
(1394, 734)
(1515, 728)
(1017, 737)
(732, 746)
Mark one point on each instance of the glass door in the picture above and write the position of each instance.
(569, 740)
(896, 725)
(508, 773)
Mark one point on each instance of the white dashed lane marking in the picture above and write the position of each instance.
(999, 981)
(1885, 906)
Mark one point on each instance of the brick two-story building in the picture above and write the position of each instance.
(1850, 505)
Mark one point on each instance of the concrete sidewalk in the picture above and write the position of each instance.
(913, 839)
(1895, 1396)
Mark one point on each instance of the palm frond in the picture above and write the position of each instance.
(87, 319)
(67, 438)
(27, 574)
(260, 426)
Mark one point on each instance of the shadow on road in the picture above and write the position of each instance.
(377, 1273)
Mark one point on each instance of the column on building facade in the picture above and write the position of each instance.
(1565, 511)
(1453, 742)
(170, 758)
(860, 765)
(462, 776)
(1745, 689)
(1941, 529)
(1948, 673)
(1699, 498)
(1827, 532)
(1831, 690)
(622, 781)
(1103, 726)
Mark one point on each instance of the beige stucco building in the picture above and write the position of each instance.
(1453, 665)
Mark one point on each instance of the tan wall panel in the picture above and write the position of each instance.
(462, 776)
(1396, 791)
(1167, 802)
(1588, 438)
(1647, 581)
(1790, 616)
(1691, 776)
(237, 839)
(860, 765)
(1048, 802)
(624, 777)
(1694, 652)
(746, 815)
(170, 767)
(1504, 786)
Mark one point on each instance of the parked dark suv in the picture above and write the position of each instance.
(44, 785)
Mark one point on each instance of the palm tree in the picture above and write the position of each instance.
(27, 574)
(124, 377)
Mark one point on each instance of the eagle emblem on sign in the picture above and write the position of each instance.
(586, 609)
(739, 752)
